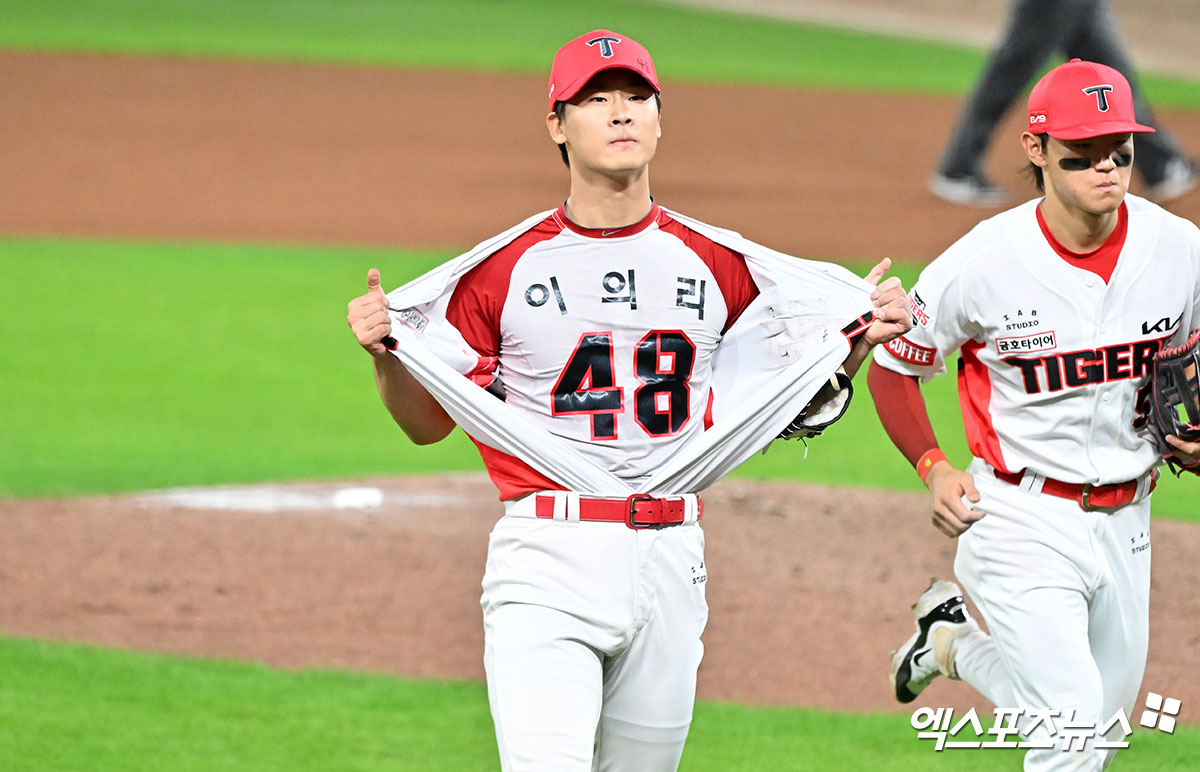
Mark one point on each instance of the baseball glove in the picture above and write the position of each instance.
(1175, 395)
(828, 405)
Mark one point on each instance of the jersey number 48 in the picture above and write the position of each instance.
(663, 362)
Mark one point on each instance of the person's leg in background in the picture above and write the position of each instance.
(1034, 31)
(1160, 160)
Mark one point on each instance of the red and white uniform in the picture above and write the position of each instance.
(651, 358)
(1053, 354)
(606, 337)
(659, 376)
(1054, 348)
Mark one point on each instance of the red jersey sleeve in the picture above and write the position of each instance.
(728, 267)
(477, 303)
(475, 309)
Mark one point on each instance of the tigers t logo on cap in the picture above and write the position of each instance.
(1082, 99)
(605, 43)
(577, 61)
(1101, 100)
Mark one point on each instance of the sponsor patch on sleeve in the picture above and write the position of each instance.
(904, 349)
(917, 306)
(1026, 344)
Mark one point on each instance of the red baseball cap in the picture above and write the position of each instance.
(577, 61)
(1082, 99)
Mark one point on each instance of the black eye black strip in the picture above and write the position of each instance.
(1074, 164)
(1079, 164)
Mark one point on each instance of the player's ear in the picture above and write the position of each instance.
(1033, 149)
(555, 126)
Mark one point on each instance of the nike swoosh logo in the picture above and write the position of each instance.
(917, 659)
(609, 233)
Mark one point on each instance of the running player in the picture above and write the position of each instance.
(1056, 308)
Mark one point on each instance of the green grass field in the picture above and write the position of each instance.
(190, 365)
(66, 707)
(128, 366)
(510, 36)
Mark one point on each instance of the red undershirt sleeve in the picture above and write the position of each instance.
(901, 409)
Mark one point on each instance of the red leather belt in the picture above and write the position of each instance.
(638, 511)
(1092, 498)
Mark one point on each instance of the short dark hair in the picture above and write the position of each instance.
(1035, 171)
(560, 109)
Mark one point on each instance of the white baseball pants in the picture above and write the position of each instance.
(592, 641)
(1066, 597)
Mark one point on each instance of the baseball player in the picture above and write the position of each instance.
(618, 357)
(1057, 308)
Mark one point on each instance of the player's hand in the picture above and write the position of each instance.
(1186, 454)
(947, 486)
(889, 304)
(368, 317)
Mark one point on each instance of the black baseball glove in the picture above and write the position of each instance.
(1175, 395)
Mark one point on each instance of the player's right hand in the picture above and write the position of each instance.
(947, 487)
(368, 317)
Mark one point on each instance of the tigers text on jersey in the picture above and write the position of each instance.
(604, 337)
(1052, 357)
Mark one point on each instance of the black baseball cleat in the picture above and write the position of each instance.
(941, 619)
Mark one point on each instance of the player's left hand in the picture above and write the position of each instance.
(889, 304)
(1186, 454)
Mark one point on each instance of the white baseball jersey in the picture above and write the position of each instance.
(1051, 356)
(609, 342)
(651, 359)
(612, 330)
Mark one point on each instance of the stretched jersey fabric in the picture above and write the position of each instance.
(1052, 357)
(652, 358)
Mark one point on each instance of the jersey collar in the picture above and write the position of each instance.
(560, 215)
(1115, 239)
(1101, 261)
